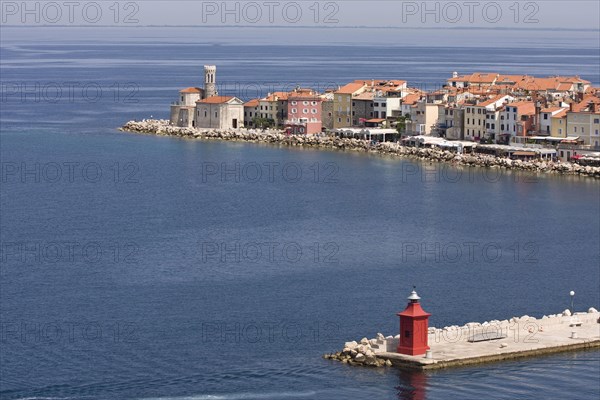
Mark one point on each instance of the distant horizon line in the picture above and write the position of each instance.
(495, 28)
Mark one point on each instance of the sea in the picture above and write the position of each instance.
(144, 267)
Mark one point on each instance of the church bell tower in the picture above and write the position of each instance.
(210, 79)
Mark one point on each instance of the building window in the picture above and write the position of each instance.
(205, 113)
(313, 111)
(597, 120)
(545, 116)
(294, 103)
(216, 115)
(314, 103)
(305, 103)
(294, 111)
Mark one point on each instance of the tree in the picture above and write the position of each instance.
(401, 123)
(262, 123)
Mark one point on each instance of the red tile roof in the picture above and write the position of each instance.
(251, 103)
(350, 88)
(276, 96)
(216, 100)
(561, 114)
(491, 101)
(523, 107)
(191, 90)
(411, 98)
(551, 109)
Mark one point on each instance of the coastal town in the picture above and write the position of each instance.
(516, 116)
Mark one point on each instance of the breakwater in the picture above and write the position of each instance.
(475, 343)
(163, 128)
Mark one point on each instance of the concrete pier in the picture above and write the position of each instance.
(476, 343)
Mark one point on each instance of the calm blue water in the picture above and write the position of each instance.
(143, 275)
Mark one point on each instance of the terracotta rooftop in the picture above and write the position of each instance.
(551, 109)
(411, 98)
(491, 101)
(523, 107)
(364, 96)
(216, 100)
(584, 105)
(276, 96)
(252, 103)
(350, 88)
(191, 90)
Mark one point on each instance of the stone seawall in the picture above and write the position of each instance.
(496, 340)
(162, 128)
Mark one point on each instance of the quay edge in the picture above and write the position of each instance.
(163, 128)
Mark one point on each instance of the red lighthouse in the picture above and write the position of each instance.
(413, 327)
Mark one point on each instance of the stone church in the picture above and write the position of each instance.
(204, 108)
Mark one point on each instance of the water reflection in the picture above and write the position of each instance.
(413, 385)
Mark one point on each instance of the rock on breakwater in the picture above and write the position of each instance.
(454, 345)
(163, 128)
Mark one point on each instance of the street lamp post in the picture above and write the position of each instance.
(572, 294)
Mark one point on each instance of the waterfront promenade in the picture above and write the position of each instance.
(163, 128)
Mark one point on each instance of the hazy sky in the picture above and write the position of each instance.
(264, 13)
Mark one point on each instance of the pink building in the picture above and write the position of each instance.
(304, 112)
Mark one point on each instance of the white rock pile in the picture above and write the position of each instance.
(163, 128)
(362, 353)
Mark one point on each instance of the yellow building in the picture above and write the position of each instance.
(558, 124)
(583, 120)
(342, 104)
(274, 107)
